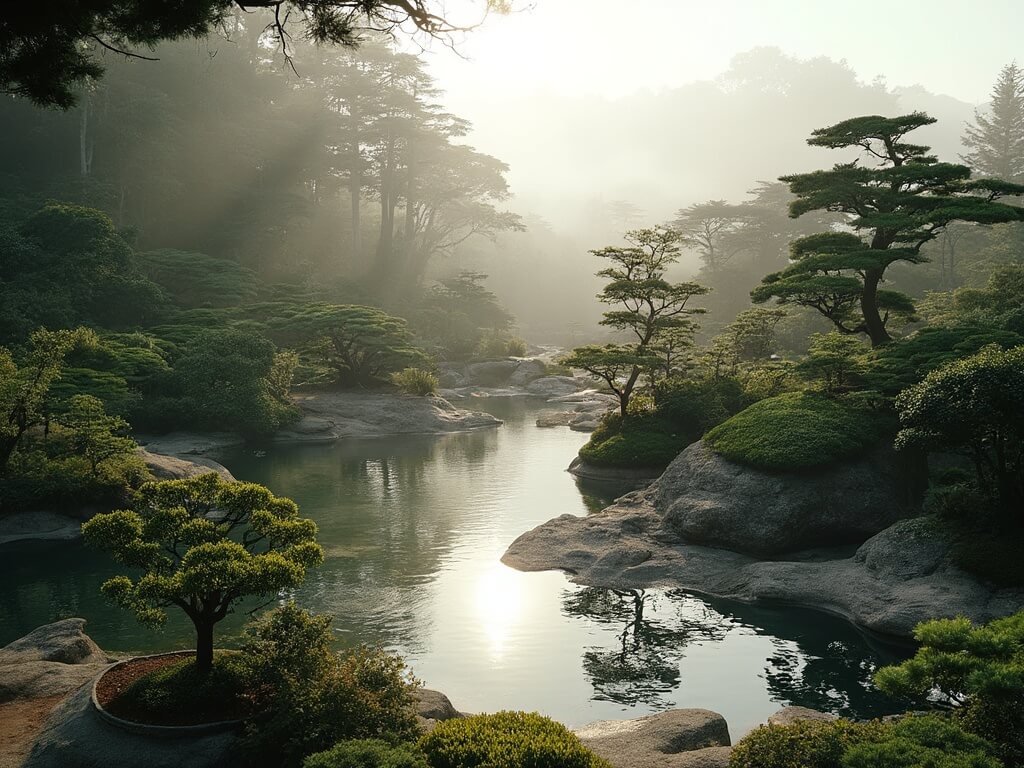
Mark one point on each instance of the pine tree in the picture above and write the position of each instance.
(995, 142)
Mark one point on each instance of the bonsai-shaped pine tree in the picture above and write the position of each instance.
(905, 200)
(647, 306)
(204, 544)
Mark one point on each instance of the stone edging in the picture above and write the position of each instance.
(144, 729)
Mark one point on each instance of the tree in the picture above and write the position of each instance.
(24, 389)
(995, 143)
(203, 545)
(904, 202)
(974, 406)
(49, 51)
(93, 434)
(232, 379)
(707, 228)
(833, 361)
(362, 345)
(647, 305)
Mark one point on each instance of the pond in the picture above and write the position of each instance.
(414, 528)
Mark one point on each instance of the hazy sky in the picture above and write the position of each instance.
(612, 47)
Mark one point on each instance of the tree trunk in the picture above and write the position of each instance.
(869, 308)
(84, 139)
(204, 644)
(355, 188)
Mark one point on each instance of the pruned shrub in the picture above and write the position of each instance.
(415, 381)
(368, 753)
(804, 744)
(506, 740)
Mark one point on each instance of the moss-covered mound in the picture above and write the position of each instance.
(797, 430)
(639, 442)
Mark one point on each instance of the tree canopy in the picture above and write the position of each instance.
(49, 49)
(995, 143)
(893, 209)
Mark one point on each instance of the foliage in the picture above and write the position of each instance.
(506, 740)
(646, 305)
(975, 406)
(901, 204)
(203, 545)
(833, 362)
(93, 434)
(905, 362)
(181, 694)
(66, 265)
(198, 280)
(362, 345)
(368, 753)
(803, 744)
(459, 314)
(979, 668)
(494, 344)
(796, 431)
(638, 441)
(415, 381)
(314, 697)
(995, 143)
(230, 379)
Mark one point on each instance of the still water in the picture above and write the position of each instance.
(413, 529)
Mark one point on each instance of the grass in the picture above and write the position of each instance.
(797, 430)
(639, 442)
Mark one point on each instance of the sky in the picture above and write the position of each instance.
(614, 47)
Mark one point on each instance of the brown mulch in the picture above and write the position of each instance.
(115, 681)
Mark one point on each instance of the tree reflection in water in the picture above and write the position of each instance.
(814, 660)
(643, 667)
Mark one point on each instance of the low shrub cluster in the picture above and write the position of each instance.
(797, 430)
(415, 381)
(506, 740)
(910, 742)
(368, 753)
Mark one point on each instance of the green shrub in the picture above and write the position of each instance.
(506, 740)
(977, 667)
(991, 554)
(314, 697)
(796, 431)
(957, 501)
(633, 448)
(368, 753)
(415, 381)
(497, 343)
(804, 744)
(918, 741)
(179, 694)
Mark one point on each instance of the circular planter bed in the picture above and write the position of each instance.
(165, 680)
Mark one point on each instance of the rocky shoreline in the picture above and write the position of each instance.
(48, 719)
(671, 535)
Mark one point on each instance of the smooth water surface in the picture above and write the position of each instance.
(414, 528)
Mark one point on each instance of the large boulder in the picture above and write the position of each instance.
(527, 371)
(42, 524)
(791, 714)
(706, 499)
(491, 373)
(553, 386)
(164, 467)
(679, 738)
(49, 661)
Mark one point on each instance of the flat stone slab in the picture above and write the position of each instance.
(676, 738)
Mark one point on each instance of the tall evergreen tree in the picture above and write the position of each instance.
(894, 208)
(995, 143)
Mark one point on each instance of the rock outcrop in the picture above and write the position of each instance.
(329, 416)
(626, 477)
(166, 467)
(580, 411)
(706, 499)
(899, 577)
(678, 738)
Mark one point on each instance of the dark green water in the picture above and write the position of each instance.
(413, 530)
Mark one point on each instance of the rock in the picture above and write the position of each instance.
(188, 443)
(708, 500)
(790, 715)
(451, 375)
(49, 661)
(527, 371)
(882, 598)
(585, 422)
(665, 740)
(329, 416)
(491, 373)
(553, 386)
(434, 705)
(555, 418)
(165, 467)
(62, 641)
(74, 736)
(628, 476)
(21, 526)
